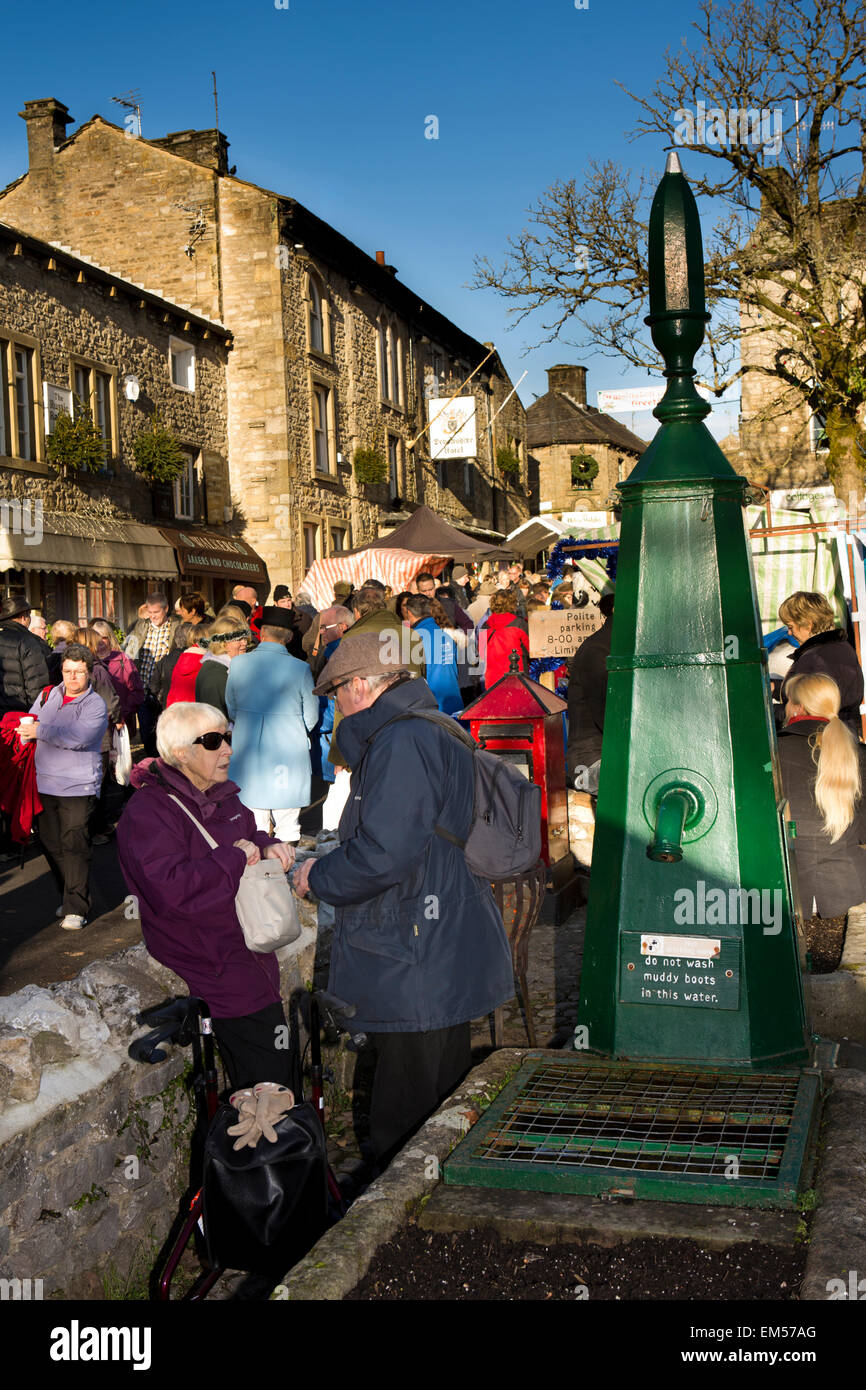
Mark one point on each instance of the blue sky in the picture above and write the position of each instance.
(326, 100)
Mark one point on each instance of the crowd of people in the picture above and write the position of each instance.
(237, 710)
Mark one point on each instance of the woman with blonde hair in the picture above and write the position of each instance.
(229, 637)
(824, 648)
(822, 774)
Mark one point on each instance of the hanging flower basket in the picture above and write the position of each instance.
(76, 443)
(507, 461)
(157, 455)
(370, 466)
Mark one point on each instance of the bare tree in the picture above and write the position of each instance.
(770, 101)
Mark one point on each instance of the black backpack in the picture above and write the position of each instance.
(504, 838)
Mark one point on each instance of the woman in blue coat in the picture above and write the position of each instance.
(427, 617)
(269, 695)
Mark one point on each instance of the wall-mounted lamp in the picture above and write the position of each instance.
(131, 387)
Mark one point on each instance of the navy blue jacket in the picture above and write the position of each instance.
(419, 943)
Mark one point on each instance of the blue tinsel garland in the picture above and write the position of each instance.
(603, 551)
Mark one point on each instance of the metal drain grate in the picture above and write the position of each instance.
(569, 1125)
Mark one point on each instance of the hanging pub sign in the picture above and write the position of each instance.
(452, 428)
(58, 401)
(560, 631)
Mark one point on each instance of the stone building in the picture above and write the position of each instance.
(331, 352)
(561, 427)
(781, 443)
(81, 544)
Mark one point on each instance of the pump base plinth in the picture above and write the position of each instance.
(643, 1130)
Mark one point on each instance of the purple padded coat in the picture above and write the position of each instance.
(186, 890)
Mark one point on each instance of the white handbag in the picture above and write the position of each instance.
(265, 904)
(121, 756)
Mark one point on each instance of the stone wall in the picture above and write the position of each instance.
(554, 476)
(774, 445)
(94, 1147)
(119, 199)
(70, 319)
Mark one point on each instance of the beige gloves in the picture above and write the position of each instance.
(272, 1103)
(259, 1107)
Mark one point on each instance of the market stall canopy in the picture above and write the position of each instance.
(69, 543)
(538, 533)
(424, 542)
(208, 552)
(428, 534)
(396, 568)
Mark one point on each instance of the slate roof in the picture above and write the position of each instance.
(556, 418)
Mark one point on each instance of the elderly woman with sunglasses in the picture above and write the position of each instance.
(185, 890)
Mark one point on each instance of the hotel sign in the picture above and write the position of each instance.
(452, 428)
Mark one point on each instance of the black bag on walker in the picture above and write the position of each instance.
(264, 1208)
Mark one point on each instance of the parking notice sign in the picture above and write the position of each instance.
(560, 631)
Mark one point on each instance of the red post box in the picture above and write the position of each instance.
(521, 721)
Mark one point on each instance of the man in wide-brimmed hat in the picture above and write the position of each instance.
(269, 695)
(419, 947)
(23, 668)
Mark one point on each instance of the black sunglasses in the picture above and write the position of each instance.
(212, 740)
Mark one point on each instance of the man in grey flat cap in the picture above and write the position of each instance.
(419, 947)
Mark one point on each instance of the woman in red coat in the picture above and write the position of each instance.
(502, 634)
(186, 668)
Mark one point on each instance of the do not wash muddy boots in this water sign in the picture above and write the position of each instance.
(692, 948)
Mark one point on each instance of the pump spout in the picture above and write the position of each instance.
(676, 805)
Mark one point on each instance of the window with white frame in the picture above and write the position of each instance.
(390, 362)
(19, 436)
(316, 315)
(818, 441)
(312, 542)
(469, 479)
(323, 428)
(94, 392)
(5, 431)
(393, 466)
(182, 362)
(396, 364)
(384, 361)
(184, 490)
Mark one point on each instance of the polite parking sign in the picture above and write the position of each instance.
(560, 631)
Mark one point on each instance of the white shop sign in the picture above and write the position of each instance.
(58, 401)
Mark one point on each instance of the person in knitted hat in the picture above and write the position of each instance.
(419, 947)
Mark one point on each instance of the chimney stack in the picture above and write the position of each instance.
(571, 380)
(46, 129)
(209, 148)
(380, 257)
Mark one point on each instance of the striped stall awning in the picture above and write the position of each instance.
(396, 568)
(785, 563)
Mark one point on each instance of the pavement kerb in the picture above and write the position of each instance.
(342, 1257)
(837, 1002)
(837, 1243)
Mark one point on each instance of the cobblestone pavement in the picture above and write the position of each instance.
(553, 980)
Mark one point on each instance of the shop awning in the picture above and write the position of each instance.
(67, 543)
(202, 552)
